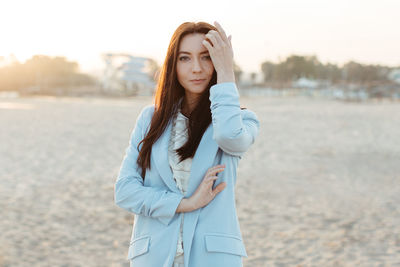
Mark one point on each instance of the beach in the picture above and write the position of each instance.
(319, 187)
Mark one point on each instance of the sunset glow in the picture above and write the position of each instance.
(334, 31)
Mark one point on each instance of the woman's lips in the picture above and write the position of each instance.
(198, 81)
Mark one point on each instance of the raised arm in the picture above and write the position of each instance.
(129, 190)
(235, 129)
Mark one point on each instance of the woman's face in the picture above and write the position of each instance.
(194, 66)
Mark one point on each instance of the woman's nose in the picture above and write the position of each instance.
(196, 66)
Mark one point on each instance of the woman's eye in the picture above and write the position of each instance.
(185, 58)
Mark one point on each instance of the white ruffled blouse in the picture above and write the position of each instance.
(180, 170)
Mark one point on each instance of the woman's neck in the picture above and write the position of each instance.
(188, 104)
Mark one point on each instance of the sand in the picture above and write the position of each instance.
(320, 187)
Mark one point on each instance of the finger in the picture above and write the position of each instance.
(211, 178)
(216, 167)
(220, 40)
(218, 171)
(207, 45)
(221, 30)
(215, 38)
(215, 171)
(230, 43)
(219, 188)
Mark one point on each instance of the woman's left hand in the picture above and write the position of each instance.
(220, 48)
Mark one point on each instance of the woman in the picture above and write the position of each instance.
(179, 171)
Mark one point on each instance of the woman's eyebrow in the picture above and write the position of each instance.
(185, 52)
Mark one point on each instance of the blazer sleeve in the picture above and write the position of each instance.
(129, 190)
(235, 130)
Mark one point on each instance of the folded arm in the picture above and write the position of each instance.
(129, 190)
(235, 129)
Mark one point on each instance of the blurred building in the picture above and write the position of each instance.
(128, 75)
(304, 82)
(248, 79)
(394, 75)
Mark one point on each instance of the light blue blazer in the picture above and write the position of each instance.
(211, 235)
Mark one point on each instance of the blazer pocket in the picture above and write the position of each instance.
(138, 246)
(225, 243)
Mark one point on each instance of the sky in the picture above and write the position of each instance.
(337, 31)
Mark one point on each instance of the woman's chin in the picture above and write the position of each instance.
(196, 89)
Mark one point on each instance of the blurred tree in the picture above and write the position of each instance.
(268, 69)
(301, 66)
(11, 77)
(44, 72)
(295, 67)
(253, 77)
(358, 73)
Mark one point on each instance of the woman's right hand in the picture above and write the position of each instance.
(204, 192)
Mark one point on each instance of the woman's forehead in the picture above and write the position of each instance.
(192, 43)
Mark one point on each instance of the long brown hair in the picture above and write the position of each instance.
(169, 92)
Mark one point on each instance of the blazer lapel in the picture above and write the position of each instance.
(159, 153)
(202, 161)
